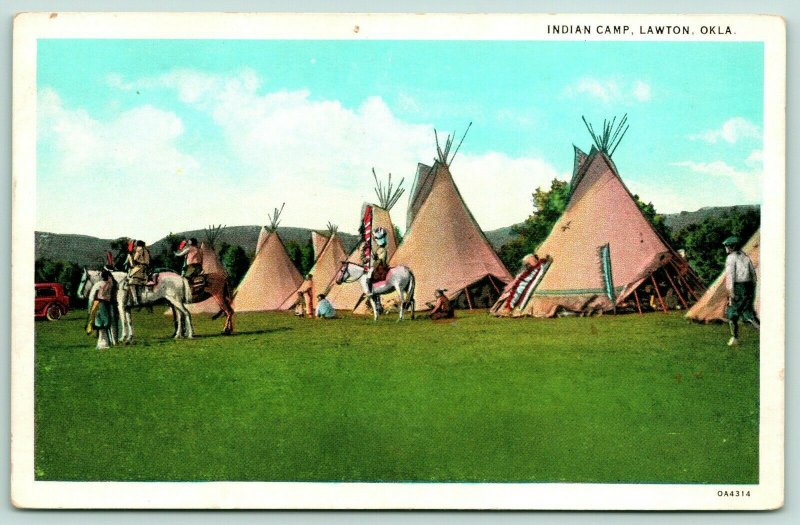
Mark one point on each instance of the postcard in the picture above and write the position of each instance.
(398, 261)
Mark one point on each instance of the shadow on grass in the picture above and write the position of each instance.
(231, 336)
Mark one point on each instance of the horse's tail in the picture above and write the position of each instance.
(187, 291)
(412, 283)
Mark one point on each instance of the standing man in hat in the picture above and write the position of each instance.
(740, 281)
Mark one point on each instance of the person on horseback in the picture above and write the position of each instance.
(379, 267)
(138, 270)
(193, 265)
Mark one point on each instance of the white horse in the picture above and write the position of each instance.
(171, 288)
(398, 278)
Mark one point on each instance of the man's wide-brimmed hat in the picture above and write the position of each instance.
(732, 241)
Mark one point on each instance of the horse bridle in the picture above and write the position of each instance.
(84, 278)
(346, 273)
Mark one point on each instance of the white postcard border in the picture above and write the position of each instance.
(27, 492)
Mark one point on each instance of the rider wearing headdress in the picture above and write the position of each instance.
(381, 265)
(138, 262)
(379, 268)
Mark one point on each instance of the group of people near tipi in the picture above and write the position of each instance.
(740, 283)
(373, 258)
(137, 261)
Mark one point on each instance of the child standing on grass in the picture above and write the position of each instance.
(101, 315)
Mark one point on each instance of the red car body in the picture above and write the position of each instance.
(51, 301)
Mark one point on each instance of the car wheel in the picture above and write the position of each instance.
(54, 312)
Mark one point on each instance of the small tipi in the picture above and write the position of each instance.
(604, 253)
(348, 296)
(443, 245)
(324, 269)
(318, 242)
(711, 307)
(272, 277)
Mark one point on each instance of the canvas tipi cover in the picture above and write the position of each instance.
(712, 305)
(262, 238)
(323, 271)
(270, 280)
(444, 246)
(602, 247)
(318, 242)
(346, 296)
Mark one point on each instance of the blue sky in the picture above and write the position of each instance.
(191, 132)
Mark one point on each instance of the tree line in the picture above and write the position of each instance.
(233, 258)
(701, 241)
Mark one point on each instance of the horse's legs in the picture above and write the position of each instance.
(402, 301)
(127, 326)
(374, 308)
(174, 320)
(179, 319)
(187, 321)
(225, 306)
(228, 318)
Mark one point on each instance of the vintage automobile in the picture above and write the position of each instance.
(51, 301)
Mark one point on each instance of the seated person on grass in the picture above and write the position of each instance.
(442, 309)
(325, 309)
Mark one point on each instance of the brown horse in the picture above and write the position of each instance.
(216, 287)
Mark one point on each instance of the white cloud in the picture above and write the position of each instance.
(732, 131)
(611, 90)
(642, 91)
(498, 188)
(284, 146)
(747, 182)
(756, 158)
(125, 175)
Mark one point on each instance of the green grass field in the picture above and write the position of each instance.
(631, 399)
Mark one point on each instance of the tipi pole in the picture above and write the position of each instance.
(469, 301)
(688, 285)
(496, 289)
(685, 281)
(676, 289)
(638, 304)
(658, 293)
(698, 283)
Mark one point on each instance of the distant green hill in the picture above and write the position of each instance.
(89, 251)
(678, 221)
(500, 236)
